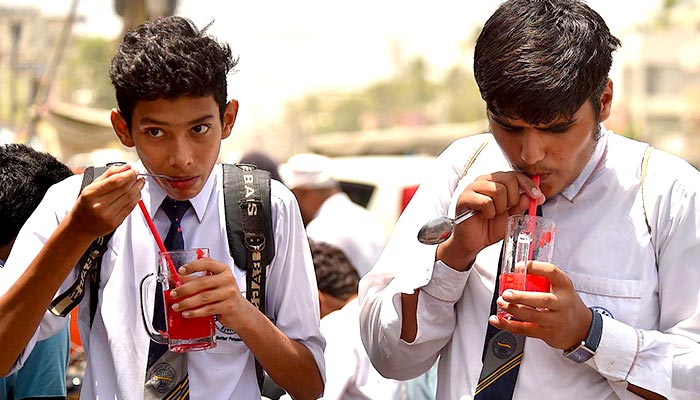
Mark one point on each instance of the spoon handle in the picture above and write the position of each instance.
(463, 216)
(154, 175)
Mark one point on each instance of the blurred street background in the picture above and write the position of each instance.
(348, 78)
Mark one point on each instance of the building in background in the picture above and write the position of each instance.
(659, 95)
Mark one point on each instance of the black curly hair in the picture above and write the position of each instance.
(168, 58)
(539, 60)
(335, 274)
(25, 176)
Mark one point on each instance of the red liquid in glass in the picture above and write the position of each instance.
(187, 329)
(533, 283)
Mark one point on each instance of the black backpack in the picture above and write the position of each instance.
(248, 227)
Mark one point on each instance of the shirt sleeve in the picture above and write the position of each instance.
(292, 290)
(30, 240)
(407, 265)
(666, 360)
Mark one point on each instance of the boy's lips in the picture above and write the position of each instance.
(182, 183)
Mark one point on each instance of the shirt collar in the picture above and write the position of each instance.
(153, 195)
(594, 162)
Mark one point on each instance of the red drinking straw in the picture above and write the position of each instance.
(159, 241)
(532, 212)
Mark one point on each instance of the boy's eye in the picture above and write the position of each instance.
(155, 132)
(510, 128)
(200, 129)
(558, 130)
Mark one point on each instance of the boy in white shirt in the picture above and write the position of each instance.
(170, 81)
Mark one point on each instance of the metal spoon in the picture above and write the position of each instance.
(440, 229)
(154, 175)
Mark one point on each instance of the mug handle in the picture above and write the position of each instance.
(155, 336)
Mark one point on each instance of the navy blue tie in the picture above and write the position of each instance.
(157, 383)
(502, 355)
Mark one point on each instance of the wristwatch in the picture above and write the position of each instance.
(586, 349)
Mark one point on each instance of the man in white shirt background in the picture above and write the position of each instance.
(349, 373)
(622, 319)
(170, 81)
(329, 214)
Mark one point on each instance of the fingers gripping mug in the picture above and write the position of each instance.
(527, 238)
(183, 334)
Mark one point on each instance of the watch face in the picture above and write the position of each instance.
(580, 355)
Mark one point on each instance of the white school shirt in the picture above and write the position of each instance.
(117, 345)
(350, 375)
(350, 227)
(651, 325)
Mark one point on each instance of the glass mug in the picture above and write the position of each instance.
(527, 238)
(183, 334)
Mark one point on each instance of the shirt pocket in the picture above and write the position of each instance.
(617, 298)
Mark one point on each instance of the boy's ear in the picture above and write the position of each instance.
(606, 101)
(230, 114)
(120, 128)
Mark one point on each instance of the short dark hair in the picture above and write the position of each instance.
(25, 176)
(169, 58)
(335, 274)
(539, 60)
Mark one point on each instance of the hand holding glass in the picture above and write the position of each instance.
(527, 238)
(183, 334)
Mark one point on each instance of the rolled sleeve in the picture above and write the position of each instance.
(617, 350)
(446, 284)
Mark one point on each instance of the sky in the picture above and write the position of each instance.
(289, 48)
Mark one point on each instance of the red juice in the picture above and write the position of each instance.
(188, 334)
(533, 283)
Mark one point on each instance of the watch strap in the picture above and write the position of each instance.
(595, 333)
(586, 349)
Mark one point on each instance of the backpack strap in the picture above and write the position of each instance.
(88, 266)
(249, 230)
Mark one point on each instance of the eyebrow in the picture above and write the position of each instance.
(556, 126)
(196, 121)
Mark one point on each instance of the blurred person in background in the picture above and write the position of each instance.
(329, 214)
(349, 373)
(25, 176)
(262, 161)
(622, 317)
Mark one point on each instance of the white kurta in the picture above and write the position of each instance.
(349, 373)
(117, 345)
(649, 285)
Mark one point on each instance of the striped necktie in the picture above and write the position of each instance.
(166, 372)
(502, 355)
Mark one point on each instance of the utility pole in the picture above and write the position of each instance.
(49, 74)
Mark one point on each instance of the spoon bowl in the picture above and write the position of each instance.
(439, 229)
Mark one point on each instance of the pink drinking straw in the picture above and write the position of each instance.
(159, 241)
(532, 212)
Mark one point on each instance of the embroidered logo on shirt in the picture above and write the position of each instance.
(602, 311)
(228, 333)
(503, 345)
(163, 378)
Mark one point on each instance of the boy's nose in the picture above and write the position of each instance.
(532, 147)
(180, 152)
